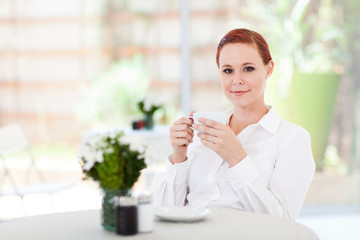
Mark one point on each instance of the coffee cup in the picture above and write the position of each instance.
(217, 116)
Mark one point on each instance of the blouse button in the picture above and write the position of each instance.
(216, 192)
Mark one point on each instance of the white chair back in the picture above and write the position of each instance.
(12, 139)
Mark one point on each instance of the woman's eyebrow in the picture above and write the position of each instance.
(246, 63)
(226, 65)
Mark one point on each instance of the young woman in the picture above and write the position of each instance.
(256, 162)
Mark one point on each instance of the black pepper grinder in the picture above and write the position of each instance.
(126, 215)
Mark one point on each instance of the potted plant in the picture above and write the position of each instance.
(148, 106)
(115, 162)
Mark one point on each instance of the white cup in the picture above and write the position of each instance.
(219, 116)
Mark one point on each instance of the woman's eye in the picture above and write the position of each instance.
(249, 69)
(227, 71)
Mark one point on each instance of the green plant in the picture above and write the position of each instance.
(112, 97)
(149, 105)
(113, 160)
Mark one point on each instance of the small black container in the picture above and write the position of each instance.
(126, 215)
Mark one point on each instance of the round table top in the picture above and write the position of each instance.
(220, 224)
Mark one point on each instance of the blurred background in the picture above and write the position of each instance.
(71, 67)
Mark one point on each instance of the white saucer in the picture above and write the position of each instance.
(181, 214)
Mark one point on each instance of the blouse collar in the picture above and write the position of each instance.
(270, 121)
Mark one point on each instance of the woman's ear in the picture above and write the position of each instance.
(269, 68)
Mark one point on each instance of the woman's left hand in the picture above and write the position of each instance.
(221, 139)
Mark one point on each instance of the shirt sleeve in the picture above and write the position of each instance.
(285, 193)
(170, 188)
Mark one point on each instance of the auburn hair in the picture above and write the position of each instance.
(242, 35)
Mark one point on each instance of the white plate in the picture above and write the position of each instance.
(181, 214)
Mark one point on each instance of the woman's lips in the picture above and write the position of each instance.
(239, 93)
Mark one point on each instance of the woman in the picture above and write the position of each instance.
(256, 162)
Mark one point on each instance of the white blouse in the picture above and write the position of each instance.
(274, 177)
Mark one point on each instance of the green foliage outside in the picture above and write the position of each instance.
(303, 35)
(112, 97)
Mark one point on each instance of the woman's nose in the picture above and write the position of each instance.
(238, 80)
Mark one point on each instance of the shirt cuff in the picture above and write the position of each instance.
(243, 173)
(176, 173)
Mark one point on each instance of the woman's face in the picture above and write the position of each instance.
(243, 74)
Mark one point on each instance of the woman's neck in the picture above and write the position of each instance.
(243, 117)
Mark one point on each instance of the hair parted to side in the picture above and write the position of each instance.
(243, 35)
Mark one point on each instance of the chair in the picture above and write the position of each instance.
(13, 139)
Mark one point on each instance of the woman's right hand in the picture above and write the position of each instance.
(181, 135)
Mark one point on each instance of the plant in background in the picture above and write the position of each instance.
(149, 105)
(112, 96)
(113, 160)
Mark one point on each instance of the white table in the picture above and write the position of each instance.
(221, 224)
